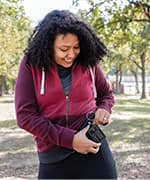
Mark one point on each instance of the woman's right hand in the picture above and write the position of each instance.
(84, 145)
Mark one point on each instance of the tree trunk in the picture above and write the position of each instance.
(1, 85)
(117, 83)
(142, 57)
(118, 79)
(136, 81)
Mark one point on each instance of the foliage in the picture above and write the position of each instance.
(14, 30)
(124, 27)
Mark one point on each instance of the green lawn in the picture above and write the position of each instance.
(130, 121)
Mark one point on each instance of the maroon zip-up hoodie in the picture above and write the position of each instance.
(51, 117)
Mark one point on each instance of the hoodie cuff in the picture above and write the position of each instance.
(67, 138)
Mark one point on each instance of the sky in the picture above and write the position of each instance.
(37, 9)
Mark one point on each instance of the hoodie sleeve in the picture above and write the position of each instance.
(105, 98)
(28, 115)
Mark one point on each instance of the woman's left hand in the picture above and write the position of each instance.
(102, 117)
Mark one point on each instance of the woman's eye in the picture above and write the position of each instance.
(64, 50)
(76, 47)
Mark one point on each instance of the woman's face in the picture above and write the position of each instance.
(66, 49)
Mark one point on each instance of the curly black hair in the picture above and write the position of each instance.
(40, 46)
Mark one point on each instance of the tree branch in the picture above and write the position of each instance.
(137, 64)
(144, 6)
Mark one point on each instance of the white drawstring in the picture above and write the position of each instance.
(92, 76)
(93, 82)
(42, 82)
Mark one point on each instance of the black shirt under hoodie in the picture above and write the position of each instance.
(65, 77)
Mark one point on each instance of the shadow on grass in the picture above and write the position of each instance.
(18, 158)
(130, 140)
(132, 105)
(130, 126)
(10, 124)
(16, 142)
(136, 108)
(129, 131)
(19, 165)
(133, 164)
(14, 139)
(6, 101)
(129, 134)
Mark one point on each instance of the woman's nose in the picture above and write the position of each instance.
(71, 53)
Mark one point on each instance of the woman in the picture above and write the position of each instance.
(54, 95)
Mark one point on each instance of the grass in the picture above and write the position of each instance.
(13, 139)
(9, 124)
(128, 134)
(130, 121)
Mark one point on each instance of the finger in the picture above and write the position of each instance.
(106, 119)
(86, 129)
(94, 144)
(99, 116)
(94, 150)
(102, 117)
(105, 115)
(85, 153)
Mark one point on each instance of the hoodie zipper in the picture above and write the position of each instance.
(67, 124)
(67, 103)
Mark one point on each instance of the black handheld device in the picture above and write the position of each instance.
(94, 132)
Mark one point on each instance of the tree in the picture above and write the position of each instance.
(141, 47)
(14, 31)
(121, 24)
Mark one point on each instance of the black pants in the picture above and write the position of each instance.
(79, 166)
